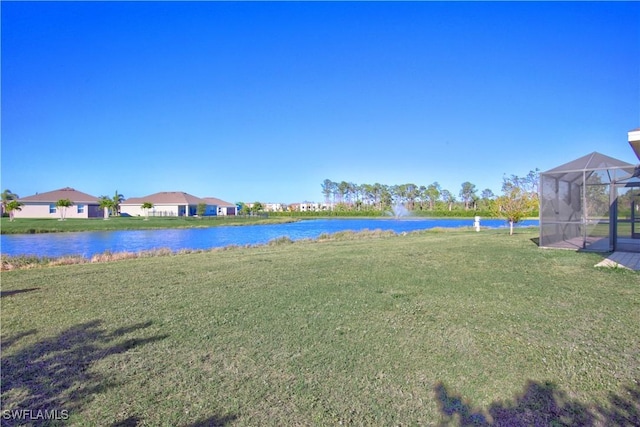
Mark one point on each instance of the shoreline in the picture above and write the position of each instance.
(21, 262)
(52, 225)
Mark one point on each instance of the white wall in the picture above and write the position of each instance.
(156, 210)
(41, 210)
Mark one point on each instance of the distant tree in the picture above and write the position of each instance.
(343, 190)
(421, 196)
(432, 194)
(11, 207)
(106, 204)
(487, 194)
(528, 184)
(7, 196)
(486, 198)
(242, 208)
(328, 188)
(356, 193)
(515, 203)
(62, 206)
(448, 198)
(386, 198)
(467, 192)
(411, 194)
(257, 207)
(201, 209)
(146, 206)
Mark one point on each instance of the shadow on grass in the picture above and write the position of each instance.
(542, 404)
(17, 291)
(55, 375)
(213, 421)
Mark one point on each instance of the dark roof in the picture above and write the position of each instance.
(64, 193)
(590, 162)
(604, 167)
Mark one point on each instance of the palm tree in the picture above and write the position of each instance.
(11, 207)
(146, 206)
(62, 206)
(105, 203)
(117, 199)
(7, 196)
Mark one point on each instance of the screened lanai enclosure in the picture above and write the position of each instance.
(592, 204)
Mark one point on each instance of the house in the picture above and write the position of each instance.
(274, 207)
(592, 203)
(221, 207)
(43, 205)
(165, 203)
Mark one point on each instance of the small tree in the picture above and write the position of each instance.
(515, 203)
(201, 209)
(11, 207)
(106, 204)
(62, 206)
(146, 206)
(257, 207)
(242, 208)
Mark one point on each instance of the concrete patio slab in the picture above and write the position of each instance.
(630, 260)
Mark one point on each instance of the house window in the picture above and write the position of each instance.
(80, 209)
(52, 208)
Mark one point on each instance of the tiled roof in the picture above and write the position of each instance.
(218, 202)
(166, 198)
(64, 193)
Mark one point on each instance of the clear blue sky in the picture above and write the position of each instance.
(251, 101)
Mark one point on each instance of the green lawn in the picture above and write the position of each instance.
(48, 225)
(427, 328)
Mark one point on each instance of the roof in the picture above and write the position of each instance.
(590, 162)
(165, 198)
(217, 202)
(64, 193)
(634, 141)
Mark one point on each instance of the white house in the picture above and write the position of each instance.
(221, 207)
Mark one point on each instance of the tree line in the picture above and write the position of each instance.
(432, 197)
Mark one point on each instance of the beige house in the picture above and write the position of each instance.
(165, 203)
(43, 205)
(221, 207)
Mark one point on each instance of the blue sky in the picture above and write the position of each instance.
(251, 101)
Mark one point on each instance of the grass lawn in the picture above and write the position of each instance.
(449, 328)
(49, 225)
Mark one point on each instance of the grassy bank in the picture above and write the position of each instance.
(38, 225)
(425, 328)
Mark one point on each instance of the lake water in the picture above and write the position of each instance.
(90, 243)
